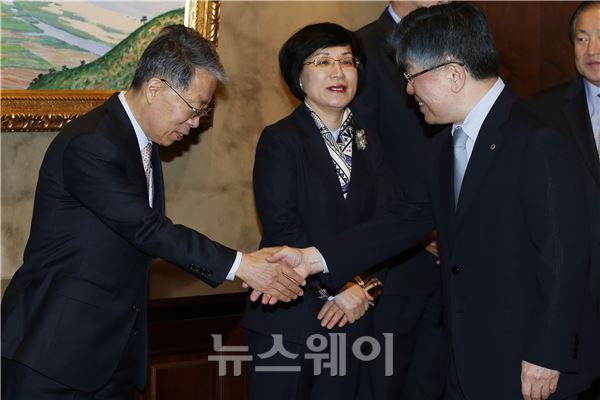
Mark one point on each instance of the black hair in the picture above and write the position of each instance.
(305, 42)
(447, 32)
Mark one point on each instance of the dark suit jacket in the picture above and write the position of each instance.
(82, 289)
(300, 203)
(382, 102)
(514, 254)
(565, 106)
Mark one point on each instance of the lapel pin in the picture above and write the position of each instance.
(493, 146)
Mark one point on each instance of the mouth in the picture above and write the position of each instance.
(179, 135)
(337, 88)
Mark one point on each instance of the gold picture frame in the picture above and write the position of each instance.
(50, 110)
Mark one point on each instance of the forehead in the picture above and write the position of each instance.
(589, 19)
(333, 50)
(202, 86)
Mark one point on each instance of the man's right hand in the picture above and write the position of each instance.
(276, 279)
(305, 262)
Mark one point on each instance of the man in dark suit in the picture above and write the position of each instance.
(507, 199)
(74, 315)
(574, 108)
(410, 305)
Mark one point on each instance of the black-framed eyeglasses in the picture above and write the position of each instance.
(196, 112)
(410, 77)
(328, 62)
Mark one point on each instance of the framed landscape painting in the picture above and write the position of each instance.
(60, 59)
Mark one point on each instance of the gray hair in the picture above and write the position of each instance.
(580, 8)
(174, 54)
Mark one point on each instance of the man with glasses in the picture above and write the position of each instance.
(74, 314)
(507, 198)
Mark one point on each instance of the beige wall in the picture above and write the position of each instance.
(208, 177)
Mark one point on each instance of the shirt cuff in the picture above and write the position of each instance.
(234, 267)
(325, 268)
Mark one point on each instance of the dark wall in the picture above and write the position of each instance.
(533, 42)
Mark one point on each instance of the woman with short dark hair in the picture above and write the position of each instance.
(317, 173)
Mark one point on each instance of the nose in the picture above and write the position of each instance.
(336, 68)
(194, 122)
(410, 89)
(594, 46)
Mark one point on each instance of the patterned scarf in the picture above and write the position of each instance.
(340, 150)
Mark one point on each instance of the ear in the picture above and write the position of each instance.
(457, 76)
(152, 88)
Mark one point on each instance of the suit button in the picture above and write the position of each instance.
(456, 269)
(135, 308)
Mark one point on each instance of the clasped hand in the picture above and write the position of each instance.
(276, 279)
(276, 273)
(537, 383)
(348, 306)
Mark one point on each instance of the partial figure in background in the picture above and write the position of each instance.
(74, 314)
(317, 172)
(574, 108)
(410, 306)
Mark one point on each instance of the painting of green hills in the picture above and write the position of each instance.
(86, 45)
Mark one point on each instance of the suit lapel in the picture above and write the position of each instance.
(445, 175)
(577, 115)
(157, 176)
(360, 172)
(126, 134)
(317, 154)
(489, 141)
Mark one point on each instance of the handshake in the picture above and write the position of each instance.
(277, 273)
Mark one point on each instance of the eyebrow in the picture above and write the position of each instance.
(326, 53)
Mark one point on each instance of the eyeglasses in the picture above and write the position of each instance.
(196, 112)
(325, 62)
(411, 77)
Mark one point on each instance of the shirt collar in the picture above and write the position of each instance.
(336, 132)
(472, 124)
(591, 93)
(395, 16)
(139, 132)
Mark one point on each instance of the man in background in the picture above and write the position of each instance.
(410, 305)
(74, 314)
(574, 108)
